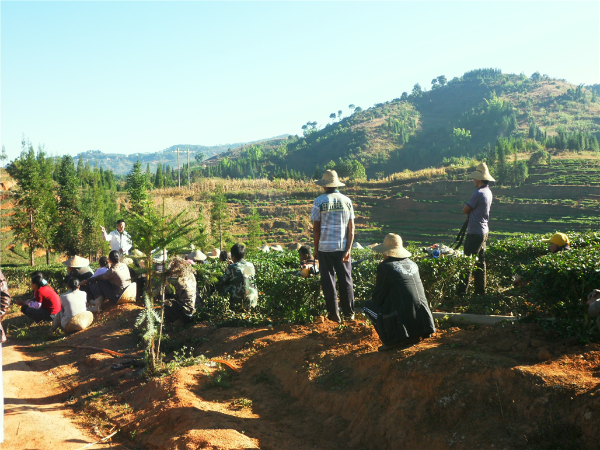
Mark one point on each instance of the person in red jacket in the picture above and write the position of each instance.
(45, 303)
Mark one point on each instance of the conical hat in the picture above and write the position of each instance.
(215, 253)
(276, 248)
(265, 249)
(357, 246)
(392, 246)
(76, 262)
(330, 179)
(197, 255)
(482, 173)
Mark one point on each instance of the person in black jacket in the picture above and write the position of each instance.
(399, 309)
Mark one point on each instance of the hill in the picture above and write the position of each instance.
(463, 117)
(121, 164)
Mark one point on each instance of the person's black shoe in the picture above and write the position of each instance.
(408, 342)
(334, 318)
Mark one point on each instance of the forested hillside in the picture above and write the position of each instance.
(122, 164)
(467, 117)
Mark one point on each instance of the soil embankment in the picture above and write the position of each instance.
(326, 386)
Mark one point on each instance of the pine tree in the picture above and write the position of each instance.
(254, 230)
(137, 186)
(69, 218)
(199, 236)
(219, 217)
(47, 201)
(31, 216)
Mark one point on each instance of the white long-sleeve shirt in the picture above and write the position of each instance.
(118, 241)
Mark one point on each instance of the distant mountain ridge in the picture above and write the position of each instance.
(121, 164)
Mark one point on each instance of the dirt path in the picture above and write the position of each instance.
(34, 416)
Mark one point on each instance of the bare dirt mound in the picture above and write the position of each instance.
(326, 386)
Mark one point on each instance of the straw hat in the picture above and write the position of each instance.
(357, 246)
(197, 255)
(215, 253)
(330, 179)
(560, 239)
(482, 173)
(276, 248)
(76, 262)
(265, 249)
(392, 246)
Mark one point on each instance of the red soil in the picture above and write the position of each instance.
(323, 386)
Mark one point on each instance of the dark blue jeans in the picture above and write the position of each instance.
(37, 315)
(330, 265)
(475, 245)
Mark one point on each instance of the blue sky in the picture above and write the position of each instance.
(129, 77)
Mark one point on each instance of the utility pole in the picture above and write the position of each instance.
(178, 170)
(189, 183)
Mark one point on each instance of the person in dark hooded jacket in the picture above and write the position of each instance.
(399, 309)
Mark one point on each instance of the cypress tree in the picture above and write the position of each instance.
(67, 237)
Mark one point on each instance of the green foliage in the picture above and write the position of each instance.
(137, 186)
(19, 277)
(219, 218)
(254, 229)
(68, 236)
(34, 219)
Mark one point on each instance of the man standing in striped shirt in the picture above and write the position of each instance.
(333, 232)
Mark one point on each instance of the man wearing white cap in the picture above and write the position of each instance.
(119, 239)
(478, 210)
(333, 232)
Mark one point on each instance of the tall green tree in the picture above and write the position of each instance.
(254, 230)
(69, 214)
(137, 185)
(48, 204)
(32, 215)
(219, 217)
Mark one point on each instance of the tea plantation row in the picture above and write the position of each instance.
(557, 284)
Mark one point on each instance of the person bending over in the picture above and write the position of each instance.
(111, 284)
(72, 303)
(308, 265)
(559, 242)
(237, 280)
(181, 302)
(45, 303)
(399, 309)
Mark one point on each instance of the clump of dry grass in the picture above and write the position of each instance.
(409, 174)
(208, 185)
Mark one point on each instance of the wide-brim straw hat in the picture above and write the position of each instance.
(482, 173)
(330, 179)
(76, 262)
(392, 246)
(215, 253)
(197, 255)
(560, 239)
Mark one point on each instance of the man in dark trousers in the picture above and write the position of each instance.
(333, 232)
(478, 209)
